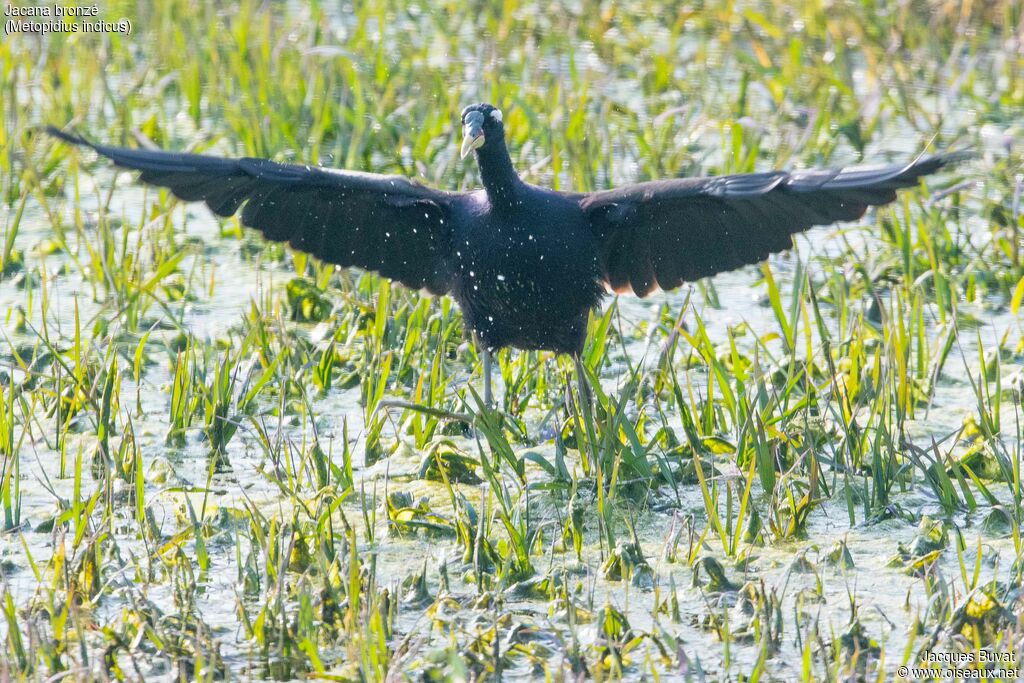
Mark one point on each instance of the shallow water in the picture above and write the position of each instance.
(888, 599)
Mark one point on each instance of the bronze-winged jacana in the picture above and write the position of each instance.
(526, 264)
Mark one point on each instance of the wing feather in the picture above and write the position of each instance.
(663, 233)
(388, 224)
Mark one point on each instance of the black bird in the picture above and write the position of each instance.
(526, 264)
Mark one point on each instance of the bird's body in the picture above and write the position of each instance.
(526, 270)
(525, 264)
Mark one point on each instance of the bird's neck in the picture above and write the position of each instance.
(497, 173)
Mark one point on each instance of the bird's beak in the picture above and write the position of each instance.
(472, 137)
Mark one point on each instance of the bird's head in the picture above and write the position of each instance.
(480, 123)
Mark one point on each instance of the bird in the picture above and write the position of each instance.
(526, 264)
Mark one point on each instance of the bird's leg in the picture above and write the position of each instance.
(488, 395)
(585, 408)
(582, 383)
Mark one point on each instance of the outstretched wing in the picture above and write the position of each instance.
(666, 232)
(388, 224)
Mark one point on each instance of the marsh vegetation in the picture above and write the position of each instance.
(223, 459)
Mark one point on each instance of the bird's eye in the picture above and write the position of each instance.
(496, 115)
